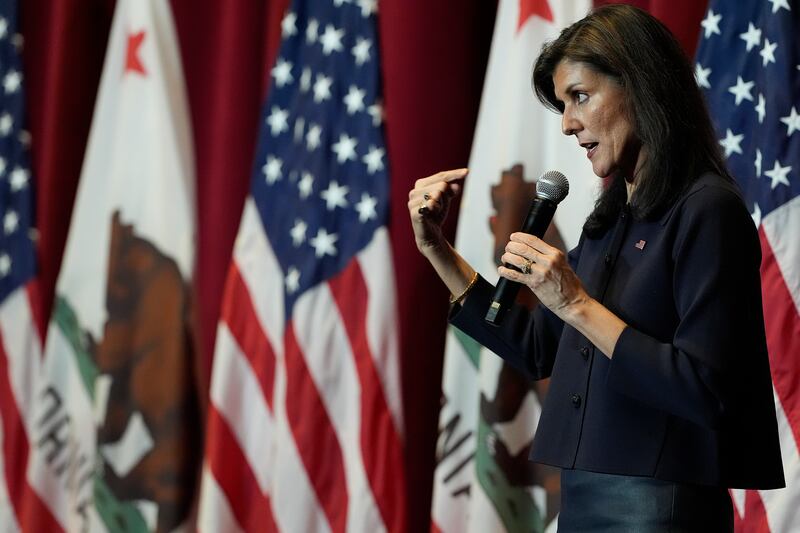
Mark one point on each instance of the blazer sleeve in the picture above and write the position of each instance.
(527, 340)
(717, 293)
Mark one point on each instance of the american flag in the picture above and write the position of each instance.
(20, 341)
(305, 423)
(748, 63)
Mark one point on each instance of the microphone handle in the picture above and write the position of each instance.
(539, 217)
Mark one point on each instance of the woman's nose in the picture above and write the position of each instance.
(569, 124)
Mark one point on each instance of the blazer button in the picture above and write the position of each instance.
(576, 400)
(585, 352)
(607, 259)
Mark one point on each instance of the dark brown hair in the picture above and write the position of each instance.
(668, 110)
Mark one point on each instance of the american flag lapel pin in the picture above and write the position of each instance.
(640, 244)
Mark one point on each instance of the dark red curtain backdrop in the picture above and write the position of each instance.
(434, 55)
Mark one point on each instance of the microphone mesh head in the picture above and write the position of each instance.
(552, 185)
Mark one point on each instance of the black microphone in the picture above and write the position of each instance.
(551, 188)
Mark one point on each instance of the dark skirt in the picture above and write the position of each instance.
(592, 502)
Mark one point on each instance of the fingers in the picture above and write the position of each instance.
(447, 176)
(537, 247)
(532, 279)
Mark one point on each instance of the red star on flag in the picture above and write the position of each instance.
(529, 8)
(132, 61)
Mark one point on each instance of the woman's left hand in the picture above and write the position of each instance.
(545, 270)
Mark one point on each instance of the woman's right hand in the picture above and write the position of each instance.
(428, 203)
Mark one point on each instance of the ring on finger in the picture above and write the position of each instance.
(426, 196)
(423, 208)
(526, 266)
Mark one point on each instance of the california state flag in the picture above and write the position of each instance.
(114, 440)
(483, 480)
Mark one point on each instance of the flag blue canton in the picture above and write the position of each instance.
(320, 180)
(748, 63)
(17, 259)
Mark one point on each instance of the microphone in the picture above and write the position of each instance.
(551, 188)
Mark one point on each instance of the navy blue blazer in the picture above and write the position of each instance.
(687, 396)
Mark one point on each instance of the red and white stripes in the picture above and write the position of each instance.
(304, 432)
(776, 510)
(20, 362)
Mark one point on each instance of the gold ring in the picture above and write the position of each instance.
(526, 266)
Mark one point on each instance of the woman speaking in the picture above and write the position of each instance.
(651, 328)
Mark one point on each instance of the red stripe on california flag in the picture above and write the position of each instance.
(782, 326)
(240, 316)
(314, 435)
(32, 514)
(230, 468)
(381, 447)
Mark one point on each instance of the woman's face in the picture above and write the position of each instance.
(595, 112)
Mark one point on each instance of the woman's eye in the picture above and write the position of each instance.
(581, 97)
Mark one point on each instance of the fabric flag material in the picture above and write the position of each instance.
(115, 418)
(305, 423)
(483, 479)
(20, 342)
(748, 63)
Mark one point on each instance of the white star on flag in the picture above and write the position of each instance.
(278, 121)
(292, 280)
(368, 7)
(324, 243)
(289, 25)
(711, 24)
(361, 50)
(313, 137)
(354, 100)
(335, 196)
(340, 3)
(331, 40)
(298, 232)
(768, 52)
(732, 143)
(322, 88)
(792, 122)
(778, 174)
(345, 148)
(312, 31)
(5, 265)
(305, 80)
(761, 108)
(12, 81)
(273, 169)
(741, 90)
(2, 166)
(752, 36)
(366, 207)
(3, 28)
(6, 123)
(306, 185)
(299, 128)
(374, 159)
(757, 163)
(376, 112)
(777, 4)
(701, 75)
(19, 179)
(10, 222)
(282, 72)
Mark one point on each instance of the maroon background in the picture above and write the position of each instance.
(434, 54)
